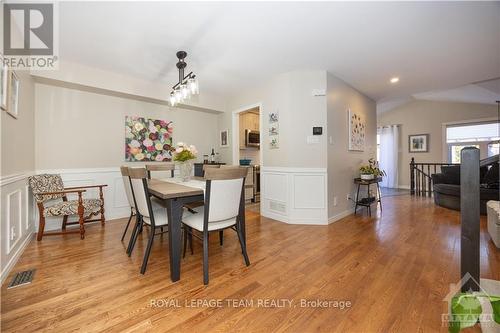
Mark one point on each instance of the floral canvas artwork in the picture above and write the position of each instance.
(357, 128)
(148, 139)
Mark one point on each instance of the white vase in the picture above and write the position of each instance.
(367, 176)
(185, 170)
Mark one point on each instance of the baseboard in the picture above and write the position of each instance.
(13, 260)
(341, 215)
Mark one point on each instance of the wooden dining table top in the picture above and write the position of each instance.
(170, 188)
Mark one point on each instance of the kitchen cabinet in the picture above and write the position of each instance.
(248, 120)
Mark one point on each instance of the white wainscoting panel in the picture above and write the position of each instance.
(115, 201)
(17, 222)
(294, 195)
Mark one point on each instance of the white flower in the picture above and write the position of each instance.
(179, 150)
(180, 144)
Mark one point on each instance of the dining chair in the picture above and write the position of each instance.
(52, 201)
(160, 167)
(223, 199)
(191, 207)
(130, 198)
(149, 214)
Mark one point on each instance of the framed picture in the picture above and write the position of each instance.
(148, 139)
(13, 98)
(418, 143)
(224, 141)
(273, 117)
(4, 80)
(273, 129)
(357, 129)
(274, 142)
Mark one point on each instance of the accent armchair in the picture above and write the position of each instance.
(51, 197)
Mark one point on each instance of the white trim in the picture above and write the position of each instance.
(15, 257)
(293, 170)
(235, 126)
(18, 223)
(72, 171)
(9, 179)
(340, 216)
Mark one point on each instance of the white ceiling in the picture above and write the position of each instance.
(429, 45)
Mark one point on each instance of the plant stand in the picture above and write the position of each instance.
(367, 202)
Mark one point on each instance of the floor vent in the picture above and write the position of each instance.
(22, 278)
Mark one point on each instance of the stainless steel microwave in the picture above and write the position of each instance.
(252, 138)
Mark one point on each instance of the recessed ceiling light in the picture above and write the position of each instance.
(395, 80)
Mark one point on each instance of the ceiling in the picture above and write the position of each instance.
(430, 46)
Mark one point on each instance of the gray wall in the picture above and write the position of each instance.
(79, 129)
(427, 117)
(290, 94)
(343, 165)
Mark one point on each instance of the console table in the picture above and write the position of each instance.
(368, 201)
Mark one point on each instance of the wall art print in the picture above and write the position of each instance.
(148, 139)
(357, 129)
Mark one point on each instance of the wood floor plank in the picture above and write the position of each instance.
(395, 268)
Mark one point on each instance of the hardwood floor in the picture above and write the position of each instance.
(394, 268)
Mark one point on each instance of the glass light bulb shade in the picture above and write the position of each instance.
(172, 99)
(193, 86)
(185, 91)
(178, 95)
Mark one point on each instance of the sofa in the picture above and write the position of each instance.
(446, 186)
(494, 221)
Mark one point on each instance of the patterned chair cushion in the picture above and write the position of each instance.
(46, 183)
(70, 207)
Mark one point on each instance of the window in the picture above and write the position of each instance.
(484, 136)
(378, 147)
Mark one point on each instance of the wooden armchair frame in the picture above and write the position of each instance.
(81, 211)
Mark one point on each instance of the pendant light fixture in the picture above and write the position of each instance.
(187, 85)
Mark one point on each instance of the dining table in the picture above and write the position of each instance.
(176, 193)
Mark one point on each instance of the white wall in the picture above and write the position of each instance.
(81, 135)
(427, 117)
(76, 129)
(17, 163)
(296, 168)
(343, 165)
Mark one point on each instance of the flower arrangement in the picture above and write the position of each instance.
(184, 152)
(371, 169)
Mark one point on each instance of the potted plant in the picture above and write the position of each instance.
(371, 170)
(183, 156)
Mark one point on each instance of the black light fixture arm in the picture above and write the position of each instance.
(183, 79)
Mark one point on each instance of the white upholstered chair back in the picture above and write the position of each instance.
(137, 175)
(126, 185)
(226, 187)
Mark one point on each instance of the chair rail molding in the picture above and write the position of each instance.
(115, 201)
(295, 195)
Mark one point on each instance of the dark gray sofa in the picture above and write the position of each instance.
(446, 186)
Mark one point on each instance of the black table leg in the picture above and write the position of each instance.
(174, 210)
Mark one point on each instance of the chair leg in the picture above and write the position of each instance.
(133, 237)
(243, 246)
(185, 237)
(221, 237)
(101, 196)
(41, 227)
(205, 257)
(148, 251)
(81, 221)
(65, 221)
(190, 239)
(126, 228)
